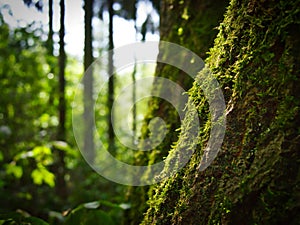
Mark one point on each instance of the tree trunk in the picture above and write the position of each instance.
(88, 83)
(51, 59)
(133, 75)
(61, 134)
(50, 34)
(179, 23)
(111, 82)
(134, 109)
(181, 30)
(255, 177)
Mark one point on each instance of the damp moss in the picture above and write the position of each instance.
(190, 24)
(255, 178)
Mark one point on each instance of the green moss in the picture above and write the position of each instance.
(190, 24)
(256, 175)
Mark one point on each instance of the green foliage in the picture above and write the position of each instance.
(41, 174)
(29, 146)
(18, 218)
(103, 212)
(26, 117)
(13, 169)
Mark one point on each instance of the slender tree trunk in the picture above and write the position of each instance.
(50, 34)
(111, 82)
(61, 76)
(88, 83)
(61, 134)
(134, 108)
(255, 177)
(51, 59)
(133, 75)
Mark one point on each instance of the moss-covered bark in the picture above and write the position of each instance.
(191, 24)
(255, 178)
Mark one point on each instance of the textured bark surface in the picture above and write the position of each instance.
(190, 24)
(255, 178)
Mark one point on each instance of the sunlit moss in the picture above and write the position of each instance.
(254, 179)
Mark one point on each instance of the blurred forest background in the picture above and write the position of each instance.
(252, 48)
(42, 171)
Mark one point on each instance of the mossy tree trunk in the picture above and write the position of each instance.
(177, 22)
(191, 24)
(255, 177)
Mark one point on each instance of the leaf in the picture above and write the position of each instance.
(37, 177)
(40, 151)
(43, 154)
(88, 213)
(41, 174)
(100, 216)
(92, 205)
(17, 218)
(48, 177)
(12, 168)
(1, 157)
(125, 206)
(11, 215)
(35, 221)
(60, 145)
(84, 216)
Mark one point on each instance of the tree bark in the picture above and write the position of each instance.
(177, 25)
(50, 34)
(111, 82)
(255, 177)
(89, 128)
(134, 108)
(190, 24)
(61, 134)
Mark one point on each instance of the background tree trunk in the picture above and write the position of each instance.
(134, 108)
(255, 177)
(61, 134)
(88, 82)
(50, 33)
(111, 82)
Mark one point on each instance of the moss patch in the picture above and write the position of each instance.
(255, 178)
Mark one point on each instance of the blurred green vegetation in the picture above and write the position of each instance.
(29, 144)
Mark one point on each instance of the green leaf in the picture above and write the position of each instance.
(37, 176)
(100, 216)
(13, 169)
(41, 174)
(43, 154)
(40, 151)
(84, 216)
(1, 157)
(60, 145)
(17, 218)
(11, 215)
(88, 213)
(34, 221)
